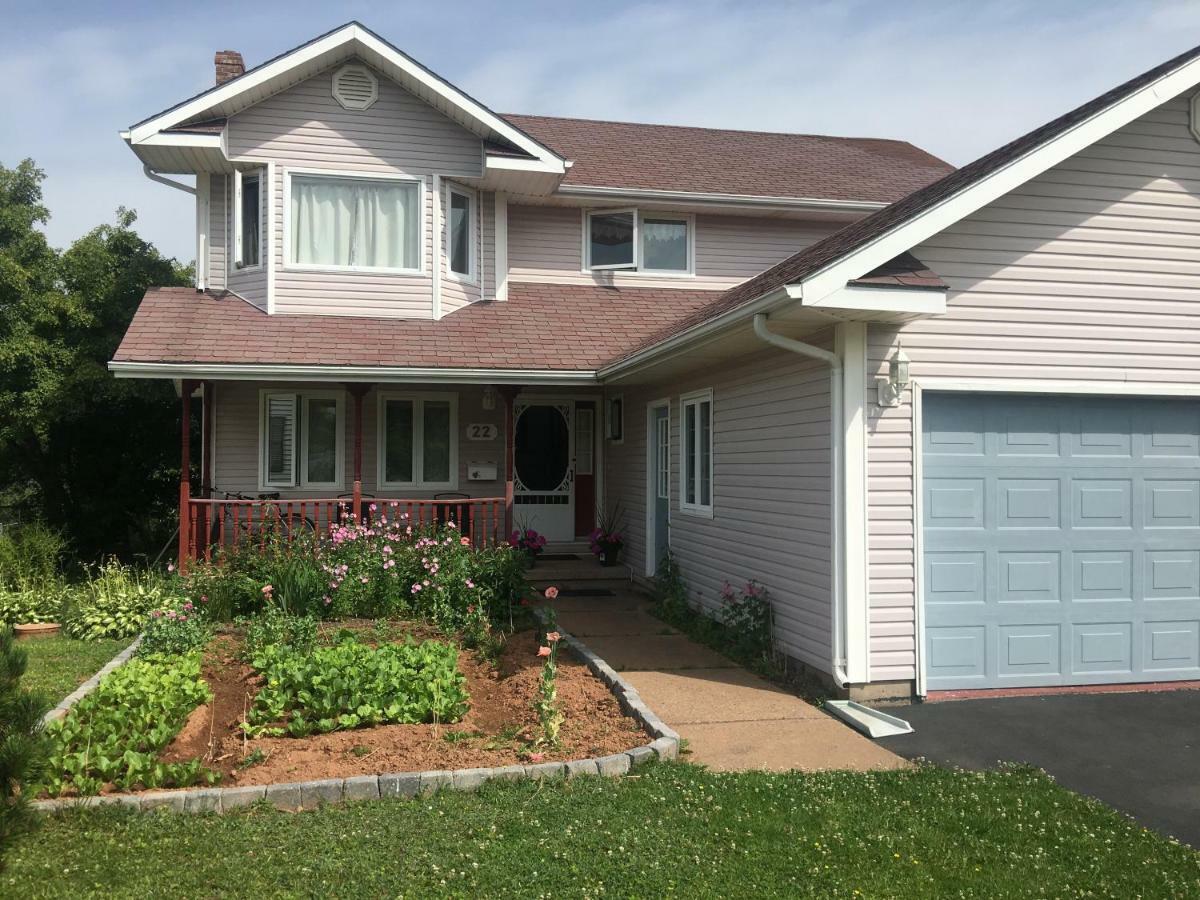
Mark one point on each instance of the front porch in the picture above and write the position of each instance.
(291, 457)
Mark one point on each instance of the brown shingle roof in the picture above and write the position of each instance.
(905, 271)
(545, 327)
(749, 163)
(858, 234)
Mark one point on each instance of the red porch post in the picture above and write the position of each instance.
(509, 393)
(185, 474)
(357, 391)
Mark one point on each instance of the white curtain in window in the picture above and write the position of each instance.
(353, 222)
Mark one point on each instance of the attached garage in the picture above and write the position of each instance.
(1060, 540)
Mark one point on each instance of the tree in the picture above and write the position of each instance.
(22, 745)
(92, 455)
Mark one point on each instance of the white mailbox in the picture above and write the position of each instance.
(481, 471)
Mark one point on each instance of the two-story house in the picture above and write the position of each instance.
(514, 320)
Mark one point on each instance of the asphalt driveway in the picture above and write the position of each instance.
(1139, 753)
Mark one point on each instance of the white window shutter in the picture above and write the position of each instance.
(279, 440)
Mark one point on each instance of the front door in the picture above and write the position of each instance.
(659, 479)
(543, 455)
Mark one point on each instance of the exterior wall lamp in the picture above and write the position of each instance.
(489, 397)
(891, 389)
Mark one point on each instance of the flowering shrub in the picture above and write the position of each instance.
(527, 540)
(606, 540)
(352, 685)
(174, 630)
(750, 620)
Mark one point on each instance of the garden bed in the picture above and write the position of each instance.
(500, 727)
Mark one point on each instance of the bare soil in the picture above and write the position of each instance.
(500, 728)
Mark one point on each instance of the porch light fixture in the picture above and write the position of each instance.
(892, 389)
(489, 398)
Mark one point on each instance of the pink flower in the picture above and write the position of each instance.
(267, 589)
(204, 598)
(553, 637)
(470, 583)
(543, 651)
(465, 541)
(536, 757)
(170, 567)
(552, 593)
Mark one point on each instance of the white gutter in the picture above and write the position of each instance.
(837, 505)
(752, 200)
(169, 182)
(397, 374)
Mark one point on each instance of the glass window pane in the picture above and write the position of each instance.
(281, 430)
(460, 233)
(664, 244)
(398, 441)
(436, 441)
(251, 230)
(689, 443)
(321, 440)
(354, 222)
(705, 453)
(611, 239)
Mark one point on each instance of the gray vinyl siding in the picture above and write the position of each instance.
(771, 491)
(545, 243)
(1088, 273)
(218, 232)
(304, 127)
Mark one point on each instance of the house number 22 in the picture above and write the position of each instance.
(482, 432)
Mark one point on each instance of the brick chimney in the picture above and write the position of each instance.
(229, 65)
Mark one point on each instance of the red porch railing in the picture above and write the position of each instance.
(211, 525)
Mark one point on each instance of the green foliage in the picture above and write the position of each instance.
(31, 556)
(115, 733)
(114, 602)
(550, 713)
(65, 451)
(749, 620)
(22, 745)
(233, 584)
(174, 630)
(43, 604)
(352, 685)
(670, 593)
(274, 628)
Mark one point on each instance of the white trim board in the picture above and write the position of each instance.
(651, 471)
(392, 374)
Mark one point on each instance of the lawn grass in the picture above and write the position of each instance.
(672, 829)
(58, 665)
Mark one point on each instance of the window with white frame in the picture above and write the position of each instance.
(460, 228)
(637, 241)
(418, 440)
(662, 483)
(247, 219)
(354, 223)
(696, 452)
(301, 439)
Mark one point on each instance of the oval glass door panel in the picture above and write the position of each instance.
(542, 445)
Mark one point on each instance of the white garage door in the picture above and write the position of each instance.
(1061, 540)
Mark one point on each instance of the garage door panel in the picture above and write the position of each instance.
(1061, 541)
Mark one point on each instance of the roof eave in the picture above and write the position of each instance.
(316, 373)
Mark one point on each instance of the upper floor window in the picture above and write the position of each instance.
(460, 225)
(247, 226)
(354, 223)
(633, 240)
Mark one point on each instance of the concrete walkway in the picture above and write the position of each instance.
(730, 718)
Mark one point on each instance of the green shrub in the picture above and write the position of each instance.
(115, 602)
(115, 733)
(352, 685)
(34, 604)
(22, 744)
(232, 584)
(30, 556)
(174, 631)
(274, 627)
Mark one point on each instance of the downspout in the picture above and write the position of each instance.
(161, 179)
(837, 512)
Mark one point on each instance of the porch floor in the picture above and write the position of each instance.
(730, 718)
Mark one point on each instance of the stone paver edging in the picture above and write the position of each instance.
(311, 794)
(90, 685)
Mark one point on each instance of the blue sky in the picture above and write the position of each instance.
(957, 78)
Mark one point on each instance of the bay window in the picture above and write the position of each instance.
(418, 440)
(636, 241)
(696, 453)
(301, 439)
(354, 223)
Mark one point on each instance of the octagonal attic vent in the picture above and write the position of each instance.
(355, 87)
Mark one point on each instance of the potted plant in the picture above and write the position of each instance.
(606, 539)
(530, 542)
